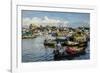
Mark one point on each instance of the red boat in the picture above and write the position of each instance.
(74, 50)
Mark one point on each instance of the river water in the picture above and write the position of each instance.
(33, 50)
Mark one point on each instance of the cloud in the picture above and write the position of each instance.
(26, 21)
(44, 21)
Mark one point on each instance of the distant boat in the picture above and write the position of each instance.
(28, 37)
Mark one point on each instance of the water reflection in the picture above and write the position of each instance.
(33, 50)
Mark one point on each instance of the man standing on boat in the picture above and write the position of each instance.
(58, 45)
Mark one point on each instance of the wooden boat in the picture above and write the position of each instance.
(70, 43)
(75, 50)
(49, 43)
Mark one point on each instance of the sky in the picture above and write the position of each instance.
(69, 19)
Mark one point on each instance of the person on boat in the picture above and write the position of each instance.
(58, 45)
(45, 40)
(61, 51)
(56, 54)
